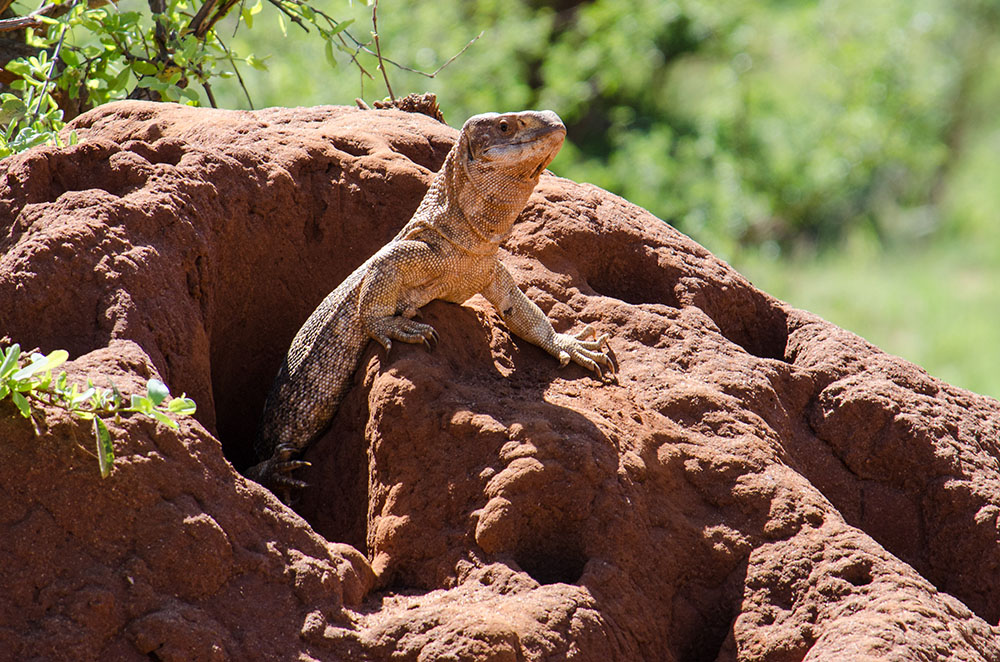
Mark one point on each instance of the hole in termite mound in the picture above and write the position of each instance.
(557, 558)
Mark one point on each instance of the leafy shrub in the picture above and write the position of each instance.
(29, 379)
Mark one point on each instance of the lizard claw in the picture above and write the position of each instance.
(594, 355)
(400, 327)
(273, 473)
(430, 339)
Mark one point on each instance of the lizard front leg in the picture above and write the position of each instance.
(527, 321)
(384, 308)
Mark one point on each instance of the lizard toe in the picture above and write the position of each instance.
(291, 465)
(289, 483)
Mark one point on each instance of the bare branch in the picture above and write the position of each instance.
(378, 49)
(20, 22)
(208, 93)
(201, 23)
(291, 15)
(52, 69)
(237, 72)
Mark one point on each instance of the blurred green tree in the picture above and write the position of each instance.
(785, 124)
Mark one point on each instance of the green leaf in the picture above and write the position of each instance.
(4, 390)
(69, 56)
(129, 18)
(157, 391)
(144, 68)
(90, 24)
(281, 23)
(12, 110)
(141, 403)
(53, 360)
(119, 81)
(18, 67)
(249, 12)
(10, 360)
(171, 93)
(343, 25)
(83, 397)
(22, 403)
(61, 381)
(190, 48)
(182, 406)
(329, 54)
(256, 62)
(163, 418)
(105, 450)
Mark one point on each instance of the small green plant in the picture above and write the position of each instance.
(89, 53)
(28, 378)
(84, 54)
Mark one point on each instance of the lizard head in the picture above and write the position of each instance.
(518, 145)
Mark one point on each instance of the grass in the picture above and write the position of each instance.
(936, 306)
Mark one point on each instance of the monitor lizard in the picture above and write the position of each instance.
(448, 250)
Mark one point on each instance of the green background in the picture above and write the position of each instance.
(840, 154)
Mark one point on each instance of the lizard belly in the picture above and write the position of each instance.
(455, 284)
(418, 297)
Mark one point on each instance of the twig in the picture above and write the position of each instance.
(448, 61)
(364, 48)
(52, 69)
(208, 93)
(52, 10)
(284, 10)
(196, 23)
(354, 59)
(157, 8)
(201, 24)
(237, 72)
(378, 50)
(21, 22)
(239, 22)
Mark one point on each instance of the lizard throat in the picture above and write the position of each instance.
(518, 184)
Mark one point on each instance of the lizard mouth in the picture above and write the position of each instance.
(539, 133)
(548, 158)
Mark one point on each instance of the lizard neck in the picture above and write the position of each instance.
(474, 216)
(483, 206)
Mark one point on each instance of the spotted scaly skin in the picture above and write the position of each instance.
(449, 251)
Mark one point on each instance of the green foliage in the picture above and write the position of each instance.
(91, 55)
(29, 379)
(783, 125)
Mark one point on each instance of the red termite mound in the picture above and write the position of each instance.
(758, 484)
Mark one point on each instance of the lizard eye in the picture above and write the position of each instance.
(504, 126)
